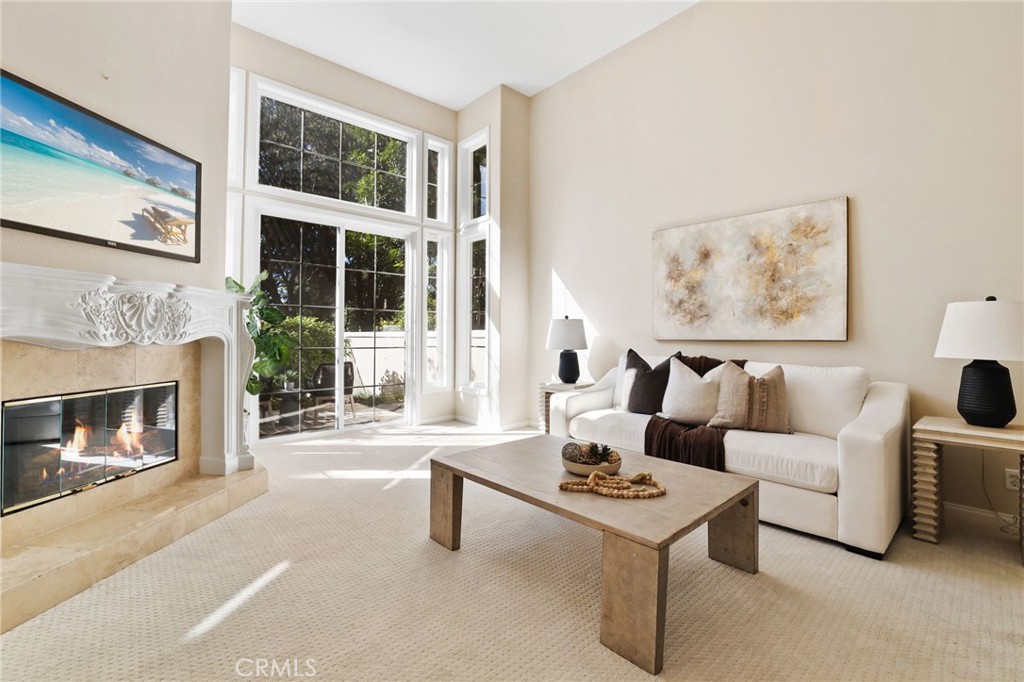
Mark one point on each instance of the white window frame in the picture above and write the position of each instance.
(260, 87)
(478, 231)
(445, 353)
(480, 138)
(236, 129)
(234, 221)
(445, 200)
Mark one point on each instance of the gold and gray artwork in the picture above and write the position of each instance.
(775, 275)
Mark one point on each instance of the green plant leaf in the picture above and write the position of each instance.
(254, 288)
(270, 315)
(273, 346)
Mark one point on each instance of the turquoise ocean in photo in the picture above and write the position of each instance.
(32, 172)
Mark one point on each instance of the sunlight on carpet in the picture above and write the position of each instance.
(334, 565)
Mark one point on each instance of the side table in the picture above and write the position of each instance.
(930, 434)
(544, 404)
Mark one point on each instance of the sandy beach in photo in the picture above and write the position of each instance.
(113, 217)
(66, 194)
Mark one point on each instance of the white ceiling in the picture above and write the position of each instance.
(453, 52)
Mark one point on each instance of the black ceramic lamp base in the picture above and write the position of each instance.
(568, 367)
(986, 395)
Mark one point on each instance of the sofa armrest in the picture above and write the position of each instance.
(568, 404)
(872, 456)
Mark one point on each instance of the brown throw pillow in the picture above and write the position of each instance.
(648, 386)
(753, 404)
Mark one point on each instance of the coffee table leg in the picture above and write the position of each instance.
(732, 535)
(634, 581)
(445, 506)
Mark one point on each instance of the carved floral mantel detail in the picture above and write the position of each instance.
(72, 310)
(133, 317)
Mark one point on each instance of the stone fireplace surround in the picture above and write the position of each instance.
(68, 331)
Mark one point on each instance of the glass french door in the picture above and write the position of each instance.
(375, 326)
(343, 294)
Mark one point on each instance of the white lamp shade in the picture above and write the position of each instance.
(566, 334)
(982, 330)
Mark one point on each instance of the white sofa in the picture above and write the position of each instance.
(840, 475)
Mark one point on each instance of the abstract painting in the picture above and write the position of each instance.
(778, 275)
(68, 172)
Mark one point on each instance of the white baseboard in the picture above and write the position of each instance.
(525, 424)
(438, 420)
(985, 517)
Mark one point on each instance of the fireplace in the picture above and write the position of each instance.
(58, 445)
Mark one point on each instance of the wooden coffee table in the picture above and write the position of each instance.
(637, 533)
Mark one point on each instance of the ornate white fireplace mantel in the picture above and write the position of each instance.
(73, 310)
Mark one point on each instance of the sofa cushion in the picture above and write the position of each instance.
(689, 397)
(619, 429)
(753, 404)
(698, 363)
(822, 400)
(646, 384)
(802, 460)
(620, 395)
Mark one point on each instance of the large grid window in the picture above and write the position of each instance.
(305, 151)
(346, 178)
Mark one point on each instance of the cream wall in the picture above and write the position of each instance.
(158, 68)
(914, 111)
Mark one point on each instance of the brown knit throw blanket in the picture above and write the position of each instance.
(702, 446)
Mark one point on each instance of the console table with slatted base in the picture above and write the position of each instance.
(930, 434)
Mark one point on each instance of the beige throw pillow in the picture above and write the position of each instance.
(690, 398)
(752, 404)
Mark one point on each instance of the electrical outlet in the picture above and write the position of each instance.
(1012, 479)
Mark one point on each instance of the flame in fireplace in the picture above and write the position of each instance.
(130, 435)
(79, 441)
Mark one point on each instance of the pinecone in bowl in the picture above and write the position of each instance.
(590, 455)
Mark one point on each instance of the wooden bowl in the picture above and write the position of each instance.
(587, 469)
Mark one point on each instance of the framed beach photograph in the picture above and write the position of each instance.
(68, 172)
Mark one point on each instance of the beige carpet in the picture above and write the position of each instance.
(334, 567)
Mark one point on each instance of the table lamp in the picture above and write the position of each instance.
(567, 335)
(985, 331)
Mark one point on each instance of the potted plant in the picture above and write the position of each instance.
(273, 346)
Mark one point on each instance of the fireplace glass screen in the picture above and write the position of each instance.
(59, 445)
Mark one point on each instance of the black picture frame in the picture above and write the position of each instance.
(71, 173)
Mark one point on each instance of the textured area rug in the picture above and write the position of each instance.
(332, 576)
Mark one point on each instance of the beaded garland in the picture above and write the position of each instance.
(616, 486)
